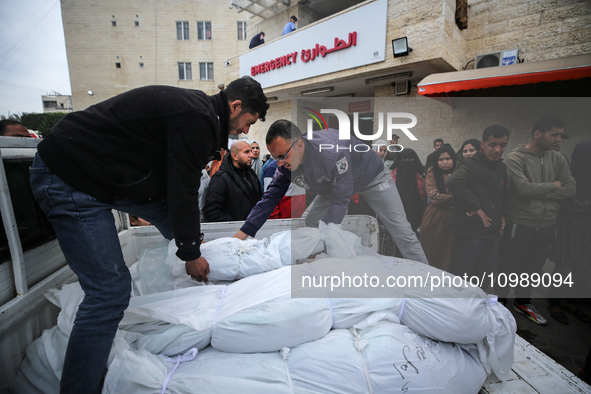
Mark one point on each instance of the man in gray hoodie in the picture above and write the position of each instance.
(538, 178)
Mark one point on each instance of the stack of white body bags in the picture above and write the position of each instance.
(377, 356)
(271, 311)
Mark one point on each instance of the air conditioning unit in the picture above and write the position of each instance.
(401, 87)
(494, 59)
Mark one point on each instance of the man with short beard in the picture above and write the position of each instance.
(140, 152)
(538, 178)
(234, 189)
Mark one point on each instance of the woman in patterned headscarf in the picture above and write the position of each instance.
(435, 237)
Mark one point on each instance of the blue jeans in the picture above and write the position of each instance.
(85, 228)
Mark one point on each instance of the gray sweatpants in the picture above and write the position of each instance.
(382, 196)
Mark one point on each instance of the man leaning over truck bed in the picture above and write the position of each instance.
(140, 152)
(334, 175)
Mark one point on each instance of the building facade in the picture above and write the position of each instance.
(116, 45)
(343, 51)
(56, 103)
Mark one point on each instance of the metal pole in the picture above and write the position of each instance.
(14, 241)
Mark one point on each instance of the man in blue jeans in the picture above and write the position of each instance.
(140, 152)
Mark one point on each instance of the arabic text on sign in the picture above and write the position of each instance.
(320, 50)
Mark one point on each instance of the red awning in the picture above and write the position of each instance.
(563, 69)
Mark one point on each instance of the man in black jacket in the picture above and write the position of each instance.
(479, 187)
(234, 189)
(257, 39)
(140, 152)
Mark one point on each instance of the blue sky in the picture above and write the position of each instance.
(32, 54)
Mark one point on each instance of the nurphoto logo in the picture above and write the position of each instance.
(344, 128)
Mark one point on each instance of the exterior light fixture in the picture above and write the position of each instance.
(385, 78)
(400, 47)
(312, 92)
(90, 92)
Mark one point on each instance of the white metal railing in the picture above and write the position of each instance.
(25, 148)
(7, 210)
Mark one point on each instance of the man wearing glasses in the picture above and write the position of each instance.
(334, 175)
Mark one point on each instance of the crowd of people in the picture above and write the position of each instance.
(483, 214)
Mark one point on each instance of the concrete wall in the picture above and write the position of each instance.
(273, 27)
(540, 29)
(93, 45)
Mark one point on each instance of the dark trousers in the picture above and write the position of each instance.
(475, 256)
(524, 249)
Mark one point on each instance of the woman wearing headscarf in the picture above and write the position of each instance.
(407, 171)
(257, 161)
(381, 148)
(435, 237)
(468, 149)
(572, 248)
